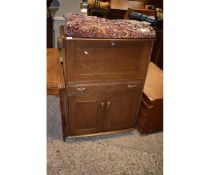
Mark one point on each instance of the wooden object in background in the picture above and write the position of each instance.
(156, 3)
(119, 7)
(55, 80)
(49, 26)
(99, 8)
(125, 4)
(150, 117)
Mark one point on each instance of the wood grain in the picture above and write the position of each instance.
(125, 4)
(55, 78)
(153, 87)
(108, 59)
(104, 82)
(111, 87)
(121, 110)
(85, 115)
(150, 117)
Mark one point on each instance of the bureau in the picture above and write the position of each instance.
(104, 80)
(104, 65)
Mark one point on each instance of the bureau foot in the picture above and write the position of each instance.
(64, 138)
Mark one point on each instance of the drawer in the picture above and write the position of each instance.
(93, 88)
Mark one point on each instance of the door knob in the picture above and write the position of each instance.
(108, 104)
(102, 104)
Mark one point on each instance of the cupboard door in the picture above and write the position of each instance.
(85, 114)
(121, 110)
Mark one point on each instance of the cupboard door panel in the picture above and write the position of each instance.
(85, 114)
(121, 110)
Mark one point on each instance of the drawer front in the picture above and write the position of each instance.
(76, 89)
(108, 59)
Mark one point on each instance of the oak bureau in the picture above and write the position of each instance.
(103, 83)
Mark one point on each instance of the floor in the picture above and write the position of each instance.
(125, 153)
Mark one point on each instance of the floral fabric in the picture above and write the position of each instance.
(95, 27)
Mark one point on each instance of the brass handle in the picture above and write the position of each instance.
(131, 85)
(108, 104)
(81, 89)
(145, 104)
(113, 43)
(102, 104)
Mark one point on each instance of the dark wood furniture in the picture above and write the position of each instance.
(150, 117)
(156, 3)
(104, 81)
(101, 85)
(99, 8)
(49, 26)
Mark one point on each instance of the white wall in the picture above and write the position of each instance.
(65, 7)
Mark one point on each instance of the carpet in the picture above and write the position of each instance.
(114, 154)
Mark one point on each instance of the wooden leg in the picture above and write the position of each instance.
(63, 116)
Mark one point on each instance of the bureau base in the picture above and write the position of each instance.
(99, 134)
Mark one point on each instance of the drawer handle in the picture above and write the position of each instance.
(81, 89)
(131, 85)
(145, 104)
(113, 43)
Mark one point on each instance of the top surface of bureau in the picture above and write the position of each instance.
(107, 59)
